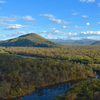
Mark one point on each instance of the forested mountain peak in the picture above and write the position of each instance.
(29, 40)
(31, 36)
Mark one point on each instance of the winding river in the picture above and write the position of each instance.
(50, 91)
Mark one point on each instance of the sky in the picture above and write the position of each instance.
(51, 19)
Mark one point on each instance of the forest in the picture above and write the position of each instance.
(20, 76)
(85, 90)
(82, 54)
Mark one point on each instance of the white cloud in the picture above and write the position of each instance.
(36, 27)
(8, 19)
(77, 27)
(81, 35)
(63, 26)
(97, 23)
(56, 32)
(85, 16)
(52, 18)
(75, 34)
(99, 4)
(87, 23)
(49, 36)
(72, 34)
(28, 18)
(53, 28)
(52, 32)
(95, 37)
(87, 34)
(3, 24)
(72, 31)
(17, 33)
(67, 27)
(31, 32)
(15, 26)
(75, 13)
(47, 15)
(91, 32)
(59, 21)
(42, 32)
(14, 34)
(87, 0)
(2, 1)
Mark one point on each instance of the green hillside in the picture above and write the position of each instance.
(29, 40)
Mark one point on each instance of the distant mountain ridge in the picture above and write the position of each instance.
(74, 42)
(29, 40)
(96, 43)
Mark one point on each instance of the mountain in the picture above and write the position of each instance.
(29, 40)
(96, 43)
(74, 42)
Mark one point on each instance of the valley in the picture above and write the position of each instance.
(30, 70)
(49, 50)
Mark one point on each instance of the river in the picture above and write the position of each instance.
(28, 57)
(50, 91)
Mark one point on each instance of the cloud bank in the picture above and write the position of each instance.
(87, 0)
(16, 26)
(2, 1)
(54, 20)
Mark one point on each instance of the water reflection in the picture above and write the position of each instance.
(28, 57)
(50, 91)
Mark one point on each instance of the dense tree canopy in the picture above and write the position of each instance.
(85, 90)
(19, 76)
(82, 54)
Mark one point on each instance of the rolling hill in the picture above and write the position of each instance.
(29, 40)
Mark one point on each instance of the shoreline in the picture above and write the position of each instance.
(39, 87)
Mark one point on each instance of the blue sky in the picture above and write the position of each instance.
(52, 19)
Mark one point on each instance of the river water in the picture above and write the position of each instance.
(50, 91)
(28, 57)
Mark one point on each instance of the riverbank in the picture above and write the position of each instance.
(85, 90)
(20, 76)
(40, 87)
